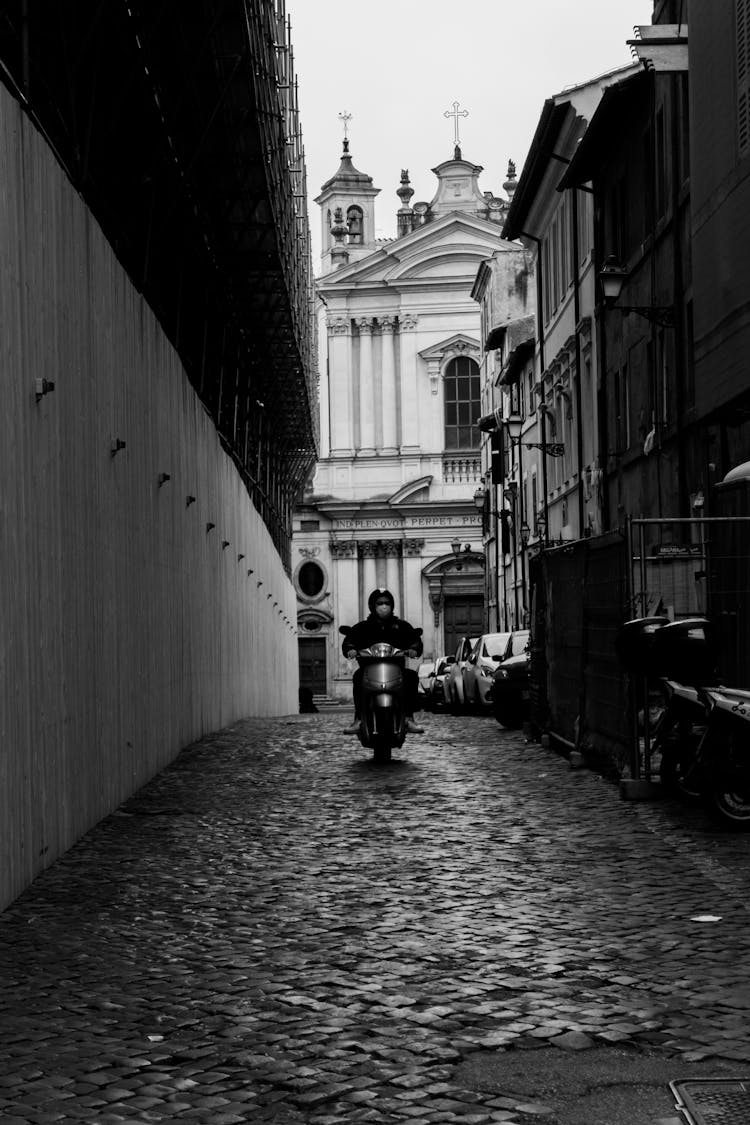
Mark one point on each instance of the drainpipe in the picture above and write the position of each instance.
(577, 315)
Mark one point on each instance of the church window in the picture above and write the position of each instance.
(461, 391)
(355, 225)
(310, 581)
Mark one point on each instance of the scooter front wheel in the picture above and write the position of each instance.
(381, 748)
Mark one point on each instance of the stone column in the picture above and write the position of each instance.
(409, 389)
(340, 383)
(413, 608)
(367, 552)
(346, 601)
(392, 549)
(366, 392)
(388, 398)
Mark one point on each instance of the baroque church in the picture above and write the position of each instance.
(391, 502)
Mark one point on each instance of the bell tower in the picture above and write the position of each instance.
(347, 213)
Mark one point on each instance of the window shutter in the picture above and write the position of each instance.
(742, 12)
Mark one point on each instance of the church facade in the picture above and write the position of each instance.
(392, 499)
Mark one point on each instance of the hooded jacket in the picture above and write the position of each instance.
(393, 630)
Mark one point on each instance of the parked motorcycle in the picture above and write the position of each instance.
(382, 724)
(702, 728)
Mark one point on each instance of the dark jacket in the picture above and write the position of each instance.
(392, 630)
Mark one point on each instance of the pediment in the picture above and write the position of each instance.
(411, 491)
(458, 344)
(451, 246)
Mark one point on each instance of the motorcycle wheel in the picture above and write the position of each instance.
(678, 749)
(384, 735)
(676, 773)
(733, 807)
(381, 750)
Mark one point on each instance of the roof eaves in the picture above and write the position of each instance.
(535, 166)
(616, 101)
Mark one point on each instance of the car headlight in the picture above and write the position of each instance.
(485, 670)
(502, 674)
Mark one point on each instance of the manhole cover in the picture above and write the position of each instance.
(714, 1101)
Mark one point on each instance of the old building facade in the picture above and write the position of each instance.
(391, 503)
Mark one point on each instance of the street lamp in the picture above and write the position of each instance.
(612, 277)
(525, 533)
(457, 549)
(541, 528)
(479, 498)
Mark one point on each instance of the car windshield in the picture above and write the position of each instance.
(495, 645)
(520, 640)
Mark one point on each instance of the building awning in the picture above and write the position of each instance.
(516, 362)
(614, 112)
(495, 338)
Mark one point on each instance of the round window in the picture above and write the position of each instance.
(310, 579)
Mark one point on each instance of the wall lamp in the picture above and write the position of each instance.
(480, 498)
(525, 532)
(612, 277)
(458, 550)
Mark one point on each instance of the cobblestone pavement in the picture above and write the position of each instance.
(278, 930)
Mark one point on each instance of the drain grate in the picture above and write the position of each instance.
(713, 1101)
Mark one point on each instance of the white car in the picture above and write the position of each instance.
(453, 684)
(481, 666)
(425, 674)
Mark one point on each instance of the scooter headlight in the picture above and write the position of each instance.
(381, 650)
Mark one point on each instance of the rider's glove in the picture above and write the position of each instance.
(351, 653)
(412, 652)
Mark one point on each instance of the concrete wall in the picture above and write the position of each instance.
(127, 627)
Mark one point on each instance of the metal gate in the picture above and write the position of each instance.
(578, 691)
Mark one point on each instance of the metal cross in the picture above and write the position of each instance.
(346, 118)
(455, 114)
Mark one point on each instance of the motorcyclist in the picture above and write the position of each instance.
(383, 625)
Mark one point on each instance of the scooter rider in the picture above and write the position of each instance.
(383, 625)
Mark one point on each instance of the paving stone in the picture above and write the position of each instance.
(264, 922)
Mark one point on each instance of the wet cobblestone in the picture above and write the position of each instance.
(277, 930)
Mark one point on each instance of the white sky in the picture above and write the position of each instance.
(396, 66)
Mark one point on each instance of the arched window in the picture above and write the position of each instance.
(354, 224)
(461, 397)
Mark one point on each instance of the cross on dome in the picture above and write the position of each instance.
(455, 113)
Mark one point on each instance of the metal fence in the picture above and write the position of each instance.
(582, 592)
(578, 691)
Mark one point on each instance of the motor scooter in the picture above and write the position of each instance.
(702, 729)
(382, 723)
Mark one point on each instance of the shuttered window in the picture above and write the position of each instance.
(742, 11)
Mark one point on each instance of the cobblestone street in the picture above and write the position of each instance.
(277, 930)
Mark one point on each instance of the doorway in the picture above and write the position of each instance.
(462, 617)
(312, 664)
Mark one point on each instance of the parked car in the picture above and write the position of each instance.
(510, 689)
(436, 696)
(425, 672)
(453, 684)
(489, 651)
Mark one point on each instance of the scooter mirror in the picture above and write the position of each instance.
(345, 630)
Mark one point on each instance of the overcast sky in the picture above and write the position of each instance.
(396, 67)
